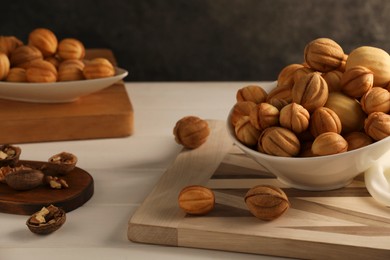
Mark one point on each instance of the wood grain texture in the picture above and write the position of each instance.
(160, 209)
(104, 114)
(332, 224)
(81, 189)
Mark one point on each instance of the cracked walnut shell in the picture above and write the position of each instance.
(191, 132)
(47, 220)
(9, 155)
(61, 163)
(267, 202)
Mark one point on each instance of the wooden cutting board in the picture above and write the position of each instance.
(80, 190)
(104, 114)
(319, 225)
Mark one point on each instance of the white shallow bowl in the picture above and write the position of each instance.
(321, 172)
(57, 92)
(316, 173)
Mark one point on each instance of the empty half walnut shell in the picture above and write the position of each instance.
(47, 220)
(60, 164)
(24, 179)
(9, 155)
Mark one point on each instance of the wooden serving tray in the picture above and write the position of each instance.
(319, 224)
(81, 188)
(104, 114)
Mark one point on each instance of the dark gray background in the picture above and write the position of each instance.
(203, 40)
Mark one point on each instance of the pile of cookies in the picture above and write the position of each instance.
(331, 103)
(46, 59)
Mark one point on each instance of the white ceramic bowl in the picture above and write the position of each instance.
(57, 92)
(377, 179)
(320, 172)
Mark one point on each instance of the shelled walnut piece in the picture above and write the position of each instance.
(56, 183)
(43, 45)
(341, 94)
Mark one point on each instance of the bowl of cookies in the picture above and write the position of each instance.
(51, 70)
(323, 122)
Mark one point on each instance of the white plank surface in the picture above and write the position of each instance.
(125, 171)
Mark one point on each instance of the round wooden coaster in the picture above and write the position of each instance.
(80, 190)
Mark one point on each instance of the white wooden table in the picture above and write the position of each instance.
(125, 171)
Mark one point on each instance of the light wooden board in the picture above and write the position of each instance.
(319, 225)
(104, 114)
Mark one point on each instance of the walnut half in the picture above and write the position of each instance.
(47, 220)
